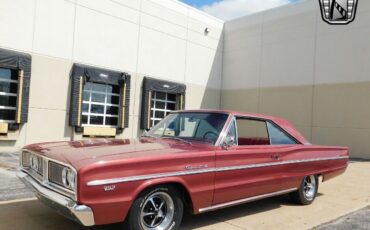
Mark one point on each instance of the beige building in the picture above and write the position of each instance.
(90, 59)
(290, 63)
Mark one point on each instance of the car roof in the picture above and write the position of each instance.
(283, 123)
(235, 113)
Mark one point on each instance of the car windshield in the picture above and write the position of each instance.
(190, 126)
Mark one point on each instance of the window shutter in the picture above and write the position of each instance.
(145, 109)
(125, 101)
(180, 101)
(77, 83)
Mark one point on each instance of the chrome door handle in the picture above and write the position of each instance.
(275, 156)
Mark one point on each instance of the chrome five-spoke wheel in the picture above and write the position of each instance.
(157, 212)
(157, 208)
(307, 191)
(309, 187)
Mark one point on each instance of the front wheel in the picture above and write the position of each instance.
(307, 192)
(159, 208)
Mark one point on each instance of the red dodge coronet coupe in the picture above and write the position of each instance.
(196, 161)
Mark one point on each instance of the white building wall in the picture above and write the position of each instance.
(163, 39)
(151, 37)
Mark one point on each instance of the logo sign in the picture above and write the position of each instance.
(338, 12)
(103, 75)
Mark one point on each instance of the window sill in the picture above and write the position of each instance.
(99, 131)
(10, 136)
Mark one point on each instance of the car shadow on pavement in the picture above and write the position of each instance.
(235, 212)
(33, 215)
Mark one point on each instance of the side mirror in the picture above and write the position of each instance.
(145, 133)
(229, 141)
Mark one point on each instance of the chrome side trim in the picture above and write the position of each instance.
(246, 200)
(207, 170)
(240, 167)
(148, 177)
(82, 213)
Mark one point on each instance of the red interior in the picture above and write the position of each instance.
(253, 141)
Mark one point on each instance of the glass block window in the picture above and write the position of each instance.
(8, 95)
(161, 105)
(100, 106)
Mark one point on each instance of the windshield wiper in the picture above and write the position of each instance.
(177, 138)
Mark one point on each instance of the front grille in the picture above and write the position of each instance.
(47, 172)
(33, 163)
(55, 173)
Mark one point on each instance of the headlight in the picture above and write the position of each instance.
(69, 178)
(62, 175)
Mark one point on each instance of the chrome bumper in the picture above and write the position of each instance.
(64, 205)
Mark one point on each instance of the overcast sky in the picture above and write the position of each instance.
(230, 9)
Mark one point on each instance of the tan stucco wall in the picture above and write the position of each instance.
(288, 62)
(335, 114)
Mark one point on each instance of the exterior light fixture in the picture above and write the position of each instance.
(207, 30)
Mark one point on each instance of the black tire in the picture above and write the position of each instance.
(171, 219)
(303, 196)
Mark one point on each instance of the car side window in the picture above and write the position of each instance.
(278, 136)
(251, 132)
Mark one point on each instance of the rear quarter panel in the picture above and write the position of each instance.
(306, 160)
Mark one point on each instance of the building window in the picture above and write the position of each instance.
(100, 100)
(162, 104)
(15, 75)
(100, 106)
(8, 95)
(159, 98)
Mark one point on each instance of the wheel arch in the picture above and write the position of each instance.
(177, 183)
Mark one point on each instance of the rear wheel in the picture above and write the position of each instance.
(307, 192)
(157, 209)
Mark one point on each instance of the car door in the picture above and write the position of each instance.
(246, 167)
(290, 153)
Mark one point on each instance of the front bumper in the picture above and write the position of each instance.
(62, 204)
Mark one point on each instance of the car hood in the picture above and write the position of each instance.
(80, 153)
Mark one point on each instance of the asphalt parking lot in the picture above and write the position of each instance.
(341, 204)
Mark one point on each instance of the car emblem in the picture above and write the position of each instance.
(338, 12)
(192, 167)
(108, 188)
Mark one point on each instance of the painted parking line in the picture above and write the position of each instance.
(17, 200)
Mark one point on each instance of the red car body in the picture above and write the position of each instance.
(112, 173)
